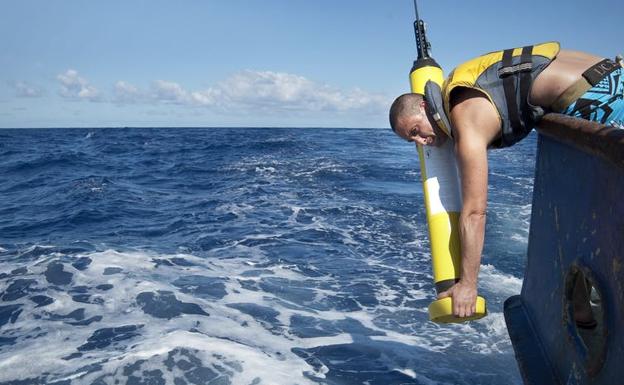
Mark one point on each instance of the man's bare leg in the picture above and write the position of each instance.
(583, 315)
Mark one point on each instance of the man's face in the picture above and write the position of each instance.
(417, 128)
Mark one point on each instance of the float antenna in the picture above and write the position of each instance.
(422, 44)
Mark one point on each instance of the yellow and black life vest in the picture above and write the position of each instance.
(505, 77)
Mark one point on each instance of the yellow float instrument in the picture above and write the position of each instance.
(441, 187)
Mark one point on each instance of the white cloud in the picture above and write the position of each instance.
(127, 93)
(259, 91)
(26, 90)
(169, 92)
(75, 87)
(278, 91)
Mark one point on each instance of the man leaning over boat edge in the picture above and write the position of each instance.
(494, 101)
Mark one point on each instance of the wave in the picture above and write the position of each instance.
(111, 314)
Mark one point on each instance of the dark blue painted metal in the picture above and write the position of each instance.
(577, 224)
(530, 354)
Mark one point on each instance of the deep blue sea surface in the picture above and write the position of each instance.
(247, 256)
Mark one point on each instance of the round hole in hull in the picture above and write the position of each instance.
(584, 317)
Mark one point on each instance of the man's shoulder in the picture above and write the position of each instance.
(471, 111)
(470, 103)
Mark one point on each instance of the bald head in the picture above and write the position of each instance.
(404, 105)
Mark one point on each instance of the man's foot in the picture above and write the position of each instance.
(583, 315)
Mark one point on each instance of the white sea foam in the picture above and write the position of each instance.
(255, 348)
(495, 281)
(259, 345)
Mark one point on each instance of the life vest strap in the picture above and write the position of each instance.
(509, 88)
(524, 69)
(526, 81)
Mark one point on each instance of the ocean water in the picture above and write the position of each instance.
(240, 256)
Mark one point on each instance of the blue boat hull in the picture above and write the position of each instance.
(577, 230)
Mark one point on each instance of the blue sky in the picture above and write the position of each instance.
(78, 63)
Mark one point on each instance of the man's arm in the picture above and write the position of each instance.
(476, 124)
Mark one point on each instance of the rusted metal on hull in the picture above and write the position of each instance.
(577, 230)
(604, 141)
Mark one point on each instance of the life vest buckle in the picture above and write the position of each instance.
(514, 69)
